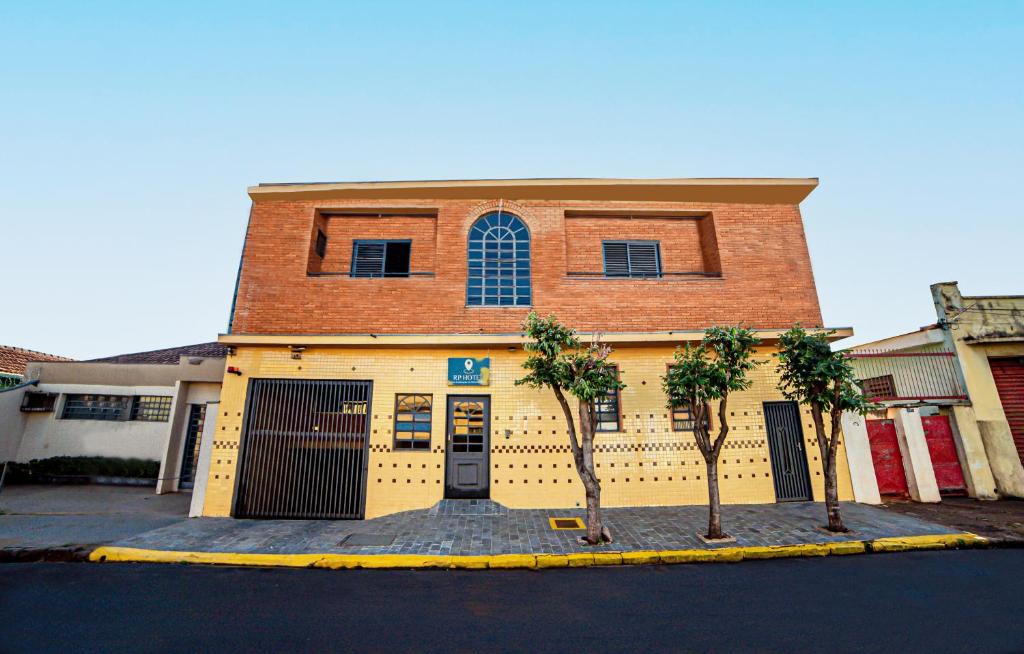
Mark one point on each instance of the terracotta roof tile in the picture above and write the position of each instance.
(168, 355)
(14, 359)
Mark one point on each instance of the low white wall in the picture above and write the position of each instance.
(202, 472)
(45, 435)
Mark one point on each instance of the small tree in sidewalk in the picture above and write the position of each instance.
(558, 360)
(695, 381)
(812, 374)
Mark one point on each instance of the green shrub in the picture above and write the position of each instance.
(82, 466)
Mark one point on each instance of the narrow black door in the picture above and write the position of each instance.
(193, 434)
(469, 419)
(786, 446)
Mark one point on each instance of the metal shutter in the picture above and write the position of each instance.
(368, 259)
(1009, 377)
(644, 260)
(632, 259)
(616, 260)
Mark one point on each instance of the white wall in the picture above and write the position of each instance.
(46, 435)
(12, 422)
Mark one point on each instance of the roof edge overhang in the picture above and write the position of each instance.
(485, 340)
(766, 190)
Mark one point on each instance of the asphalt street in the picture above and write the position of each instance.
(922, 601)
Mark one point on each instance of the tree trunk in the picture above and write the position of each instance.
(714, 500)
(596, 532)
(835, 520)
(827, 447)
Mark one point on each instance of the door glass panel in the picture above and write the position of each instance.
(468, 426)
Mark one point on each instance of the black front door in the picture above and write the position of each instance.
(786, 447)
(469, 422)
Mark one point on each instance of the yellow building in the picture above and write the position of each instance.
(375, 343)
(987, 334)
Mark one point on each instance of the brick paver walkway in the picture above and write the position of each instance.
(475, 527)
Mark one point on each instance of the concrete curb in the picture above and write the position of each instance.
(538, 561)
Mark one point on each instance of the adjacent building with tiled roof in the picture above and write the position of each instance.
(143, 405)
(14, 359)
(169, 355)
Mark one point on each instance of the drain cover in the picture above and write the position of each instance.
(368, 540)
(566, 523)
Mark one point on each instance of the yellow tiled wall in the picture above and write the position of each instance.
(645, 464)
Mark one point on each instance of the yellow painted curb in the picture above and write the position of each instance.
(511, 561)
(936, 542)
(539, 561)
(641, 558)
(848, 547)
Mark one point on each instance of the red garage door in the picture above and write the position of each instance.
(1009, 377)
(945, 461)
(885, 454)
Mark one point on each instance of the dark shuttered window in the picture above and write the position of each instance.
(632, 259)
(381, 258)
(499, 262)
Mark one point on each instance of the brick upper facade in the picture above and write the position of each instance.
(750, 251)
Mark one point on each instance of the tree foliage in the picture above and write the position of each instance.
(811, 373)
(700, 375)
(558, 360)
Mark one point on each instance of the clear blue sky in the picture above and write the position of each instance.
(129, 132)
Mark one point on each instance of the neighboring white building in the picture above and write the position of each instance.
(147, 405)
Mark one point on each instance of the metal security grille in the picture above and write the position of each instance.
(304, 449)
(190, 454)
(786, 447)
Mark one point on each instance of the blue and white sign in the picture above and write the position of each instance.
(466, 371)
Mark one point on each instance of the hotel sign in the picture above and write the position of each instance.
(466, 371)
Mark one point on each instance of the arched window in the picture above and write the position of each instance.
(499, 262)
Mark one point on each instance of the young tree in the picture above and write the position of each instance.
(695, 381)
(812, 374)
(559, 361)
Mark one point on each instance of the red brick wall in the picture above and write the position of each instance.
(766, 277)
(342, 230)
(679, 241)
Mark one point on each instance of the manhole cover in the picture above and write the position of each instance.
(368, 540)
(566, 523)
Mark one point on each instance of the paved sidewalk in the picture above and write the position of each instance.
(69, 518)
(1001, 521)
(479, 527)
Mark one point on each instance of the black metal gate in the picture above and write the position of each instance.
(304, 449)
(786, 447)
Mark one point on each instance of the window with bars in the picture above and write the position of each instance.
(96, 407)
(499, 262)
(606, 410)
(381, 258)
(412, 422)
(681, 419)
(884, 386)
(151, 408)
(321, 243)
(632, 259)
